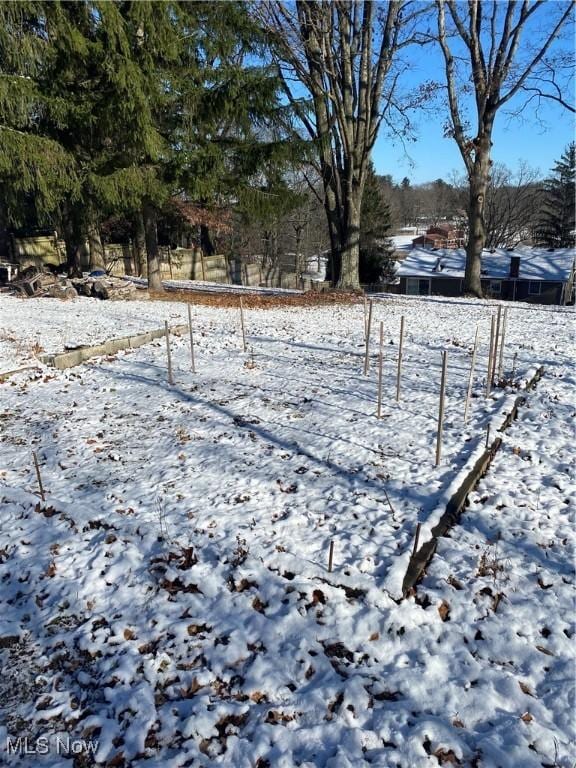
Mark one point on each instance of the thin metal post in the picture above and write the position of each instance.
(502, 340)
(471, 377)
(490, 350)
(242, 324)
(168, 353)
(330, 556)
(191, 340)
(368, 331)
(380, 361)
(441, 407)
(496, 340)
(399, 369)
(38, 476)
(416, 539)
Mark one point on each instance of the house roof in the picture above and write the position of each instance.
(535, 263)
(443, 228)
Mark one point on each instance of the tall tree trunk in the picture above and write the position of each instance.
(97, 260)
(4, 236)
(139, 245)
(334, 231)
(479, 180)
(74, 240)
(298, 247)
(150, 216)
(206, 241)
(349, 279)
(476, 240)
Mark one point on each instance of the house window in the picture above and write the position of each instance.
(534, 287)
(495, 287)
(418, 286)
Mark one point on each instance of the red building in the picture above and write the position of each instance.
(440, 236)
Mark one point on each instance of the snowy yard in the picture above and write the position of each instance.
(170, 602)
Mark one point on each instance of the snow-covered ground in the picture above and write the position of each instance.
(207, 287)
(170, 601)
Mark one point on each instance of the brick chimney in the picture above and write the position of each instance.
(514, 266)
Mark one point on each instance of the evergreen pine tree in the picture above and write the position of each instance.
(113, 107)
(76, 130)
(33, 165)
(230, 147)
(556, 226)
(375, 223)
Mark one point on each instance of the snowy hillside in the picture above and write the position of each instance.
(170, 602)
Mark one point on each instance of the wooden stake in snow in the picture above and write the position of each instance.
(168, 354)
(487, 435)
(242, 324)
(368, 330)
(490, 352)
(380, 360)
(471, 377)
(389, 502)
(399, 369)
(416, 540)
(38, 476)
(365, 319)
(514, 364)
(330, 556)
(441, 407)
(191, 340)
(502, 340)
(496, 340)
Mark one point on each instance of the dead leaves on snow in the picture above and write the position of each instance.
(444, 756)
(198, 629)
(226, 726)
(444, 611)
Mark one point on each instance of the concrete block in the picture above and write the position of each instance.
(116, 345)
(97, 351)
(139, 340)
(68, 359)
(81, 355)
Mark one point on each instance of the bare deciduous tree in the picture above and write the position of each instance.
(485, 48)
(343, 54)
(513, 199)
(512, 205)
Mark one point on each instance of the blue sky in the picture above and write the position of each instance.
(432, 156)
(539, 143)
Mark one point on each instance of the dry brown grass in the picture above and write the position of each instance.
(257, 301)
